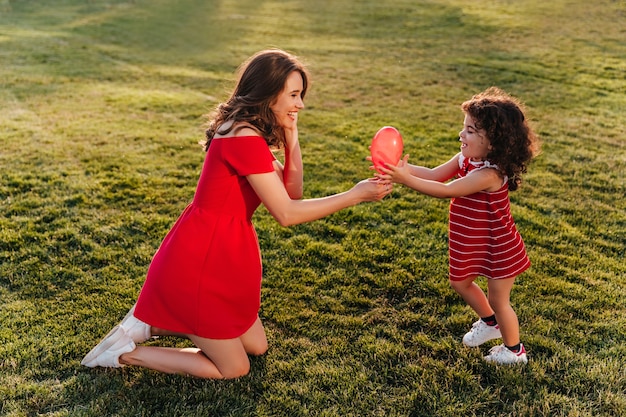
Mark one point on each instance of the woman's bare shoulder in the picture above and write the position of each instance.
(236, 130)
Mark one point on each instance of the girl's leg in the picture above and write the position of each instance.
(213, 359)
(499, 293)
(473, 296)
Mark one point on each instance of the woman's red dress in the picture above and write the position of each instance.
(205, 279)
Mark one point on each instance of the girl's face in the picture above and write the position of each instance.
(474, 142)
(289, 101)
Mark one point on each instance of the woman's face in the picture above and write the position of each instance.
(474, 142)
(289, 101)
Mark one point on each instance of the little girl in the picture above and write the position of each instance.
(496, 146)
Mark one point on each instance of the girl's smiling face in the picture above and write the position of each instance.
(474, 142)
(289, 101)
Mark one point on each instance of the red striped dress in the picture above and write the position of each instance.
(483, 239)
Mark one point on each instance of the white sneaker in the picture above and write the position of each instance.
(111, 358)
(502, 355)
(138, 331)
(111, 347)
(480, 333)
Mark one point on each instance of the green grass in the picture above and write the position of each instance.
(101, 111)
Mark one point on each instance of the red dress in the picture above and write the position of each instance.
(205, 279)
(483, 239)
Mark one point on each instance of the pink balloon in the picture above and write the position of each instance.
(386, 147)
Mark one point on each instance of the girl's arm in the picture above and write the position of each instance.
(441, 173)
(487, 179)
(287, 211)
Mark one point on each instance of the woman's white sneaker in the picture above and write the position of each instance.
(110, 358)
(115, 341)
(121, 339)
(138, 331)
(502, 355)
(480, 333)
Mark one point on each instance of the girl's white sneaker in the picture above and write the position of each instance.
(502, 355)
(480, 333)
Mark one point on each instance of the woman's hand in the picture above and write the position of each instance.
(372, 189)
(290, 126)
(293, 172)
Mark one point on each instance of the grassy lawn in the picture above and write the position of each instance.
(102, 106)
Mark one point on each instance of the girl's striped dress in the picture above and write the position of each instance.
(483, 239)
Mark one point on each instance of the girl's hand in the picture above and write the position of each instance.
(398, 174)
(369, 158)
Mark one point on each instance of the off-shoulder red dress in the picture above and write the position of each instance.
(205, 278)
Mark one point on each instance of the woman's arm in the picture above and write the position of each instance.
(291, 174)
(287, 211)
(293, 169)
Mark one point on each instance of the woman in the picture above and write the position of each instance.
(204, 282)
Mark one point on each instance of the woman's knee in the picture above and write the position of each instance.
(228, 357)
(236, 370)
(232, 370)
(254, 340)
(258, 348)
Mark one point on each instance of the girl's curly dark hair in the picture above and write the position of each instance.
(513, 142)
(262, 77)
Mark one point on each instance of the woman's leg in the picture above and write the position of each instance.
(499, 293)
(156, 331)
(212, 359)
(254, 340)
(187, 361)
(473, 296)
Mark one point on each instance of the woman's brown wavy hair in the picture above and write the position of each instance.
(513, 142)
(261, 78)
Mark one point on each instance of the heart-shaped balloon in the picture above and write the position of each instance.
(386, 147)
